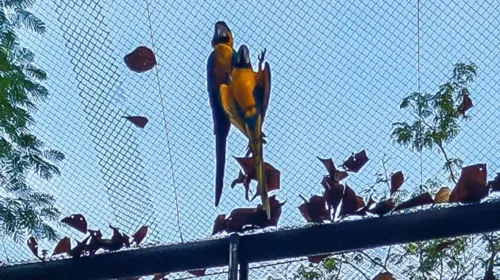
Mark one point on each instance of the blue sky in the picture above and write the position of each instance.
(339, 72)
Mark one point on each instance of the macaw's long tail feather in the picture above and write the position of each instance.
(257, 151)
(249, 147)
(261, 179)
(220, 158)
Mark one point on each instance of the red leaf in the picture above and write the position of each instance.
(239, 180)
(384, 276)
(364, 209)
(495, 184)
(261, 220)
(80, 247)
(356, 161)
(350, 202)
(219, 224)
(419, 200)
(314, 210)
(250, 218)
(272, 174)
(382, 207)
(76, 221)
(139, 235)
(397, 180)
(471, 186)
(465, 105)
(335, 174)
(239, 218)
(140, 60)
(126, 240)
(198, 272)
(160, 276)
(489, 275)
(334, 192)
(64, 246)
(33, 245)
(443, 245)
(138, 121)
(318, 258)
(95, 241)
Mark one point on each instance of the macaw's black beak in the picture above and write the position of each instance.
(243, 60)
(222, 33)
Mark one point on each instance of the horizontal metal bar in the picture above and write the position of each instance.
(268, 246)
(372, 232)
(147, 261)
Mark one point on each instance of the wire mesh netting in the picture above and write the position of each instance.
(340, 70)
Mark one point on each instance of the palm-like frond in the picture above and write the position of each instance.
(29, 21)
(19, 4)
(22, 210)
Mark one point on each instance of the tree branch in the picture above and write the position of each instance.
(357, 269)
(448, 163)
(374, 261)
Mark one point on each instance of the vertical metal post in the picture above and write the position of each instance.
(233, 256)
(243, 271)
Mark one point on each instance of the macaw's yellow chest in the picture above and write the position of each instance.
(242, 86)
(223, 58)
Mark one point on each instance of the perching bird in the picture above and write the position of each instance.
(220, 62)
(245, 100)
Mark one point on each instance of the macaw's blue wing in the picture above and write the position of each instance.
(221, 127)
(262, 90)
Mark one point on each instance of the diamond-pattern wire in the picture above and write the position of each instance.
(357, 63)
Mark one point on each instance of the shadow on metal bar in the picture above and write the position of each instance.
(268, 246)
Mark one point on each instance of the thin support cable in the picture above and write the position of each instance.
(418, 85)
(165, 124)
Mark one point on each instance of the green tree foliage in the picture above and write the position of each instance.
(437, 116)
(436, 122)
(22, 154)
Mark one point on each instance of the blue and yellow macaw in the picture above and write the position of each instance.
(245, 100)
(220, 62)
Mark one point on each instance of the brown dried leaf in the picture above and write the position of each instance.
(272, 174)
(317, 258)
(219, 224)
(80, 247)
(261, 220)
(350, 202)
(239, 218)
(139, 235)
(384, 276)
(397, 180)
(382, 207)
(95, 241)
(364, 209)
(76, 221)
(239, 180)
(160, 276)
(471, 186)
(489, 275)
(445, 244)
(140, 60)
(356, 161)
(465, 105)
(33, 245)
(198, 272)
(335, 174)
(314, 210)
(443, 195)
(63, 246)
(334, 192)
(138, 121)
(419, 200)
(495, 184)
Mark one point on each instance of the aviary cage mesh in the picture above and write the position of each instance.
(340, 70)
